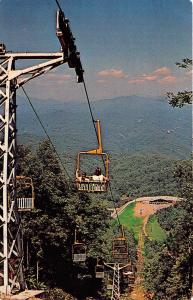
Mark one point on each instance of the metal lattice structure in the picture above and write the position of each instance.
(11, 252)
(116, 267)
(116, 283)
(121, 261)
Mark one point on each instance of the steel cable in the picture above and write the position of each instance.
(46, 133)
(94, 124)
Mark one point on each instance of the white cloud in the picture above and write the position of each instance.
(168, 79)
(149, 77)
(112, 73)
(163, 71)
(136, 81)
(160, 75)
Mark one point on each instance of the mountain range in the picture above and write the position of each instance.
(130, 125)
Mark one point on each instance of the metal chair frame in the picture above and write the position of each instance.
(25, 203)
(87, 184)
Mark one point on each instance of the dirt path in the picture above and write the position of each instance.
(137, 293)
(145, 210)
(145, 221)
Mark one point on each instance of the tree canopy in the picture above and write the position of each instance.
(183, 97)
(168, 264)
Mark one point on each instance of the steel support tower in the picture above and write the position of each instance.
(116, 267)
(11, 78)
(115, 295)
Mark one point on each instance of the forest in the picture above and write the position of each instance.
(49, 229)
(168, 263)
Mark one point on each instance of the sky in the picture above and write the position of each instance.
(128, 47)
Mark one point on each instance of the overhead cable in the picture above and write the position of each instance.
(46, 133)
(95, 129)
(94, 124)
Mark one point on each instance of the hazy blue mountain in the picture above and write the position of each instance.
(129, 125)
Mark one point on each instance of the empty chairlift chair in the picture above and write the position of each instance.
(120, 249)
(78, 251)
(99, 270)
(96, 182)
(25, 193)
(110, 281)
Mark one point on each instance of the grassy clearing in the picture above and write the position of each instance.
(131, 222)
(154, 230)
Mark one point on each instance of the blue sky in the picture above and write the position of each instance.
(127, 46)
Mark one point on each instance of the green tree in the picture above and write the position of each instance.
(185, 97)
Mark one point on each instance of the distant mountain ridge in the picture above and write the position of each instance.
(129, 125)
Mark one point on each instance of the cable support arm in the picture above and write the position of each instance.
(99, 150)
(34, 71)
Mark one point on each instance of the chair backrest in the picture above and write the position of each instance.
(25, 193)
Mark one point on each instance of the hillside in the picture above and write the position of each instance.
(130, 124)
(142, 175)
(142, 163)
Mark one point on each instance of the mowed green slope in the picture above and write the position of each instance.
(135, 224)
(154, 230)
(129, 221)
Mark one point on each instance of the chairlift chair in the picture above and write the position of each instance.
(25, 193)
(91, 183)
(99, 270)
(120, 248)
(109, 282)
(78, 251)
(131, 274)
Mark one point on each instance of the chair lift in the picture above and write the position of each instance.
(120, 248)
(129, 277)
(129, 274)
(109, 280)
(78, 250)
(25, 193)
(99, 269)
(93, 183)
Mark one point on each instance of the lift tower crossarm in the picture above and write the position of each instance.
(32, 55)
(55, 59)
